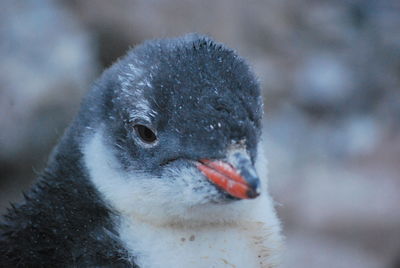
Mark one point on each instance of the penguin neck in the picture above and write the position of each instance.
(246, 243)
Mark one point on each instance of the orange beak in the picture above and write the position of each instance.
(240, 182)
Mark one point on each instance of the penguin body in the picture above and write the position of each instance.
(162, 167)
(62, 221)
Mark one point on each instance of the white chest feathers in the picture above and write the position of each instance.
(207, 246)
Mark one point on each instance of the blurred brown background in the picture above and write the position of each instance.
(330, 73)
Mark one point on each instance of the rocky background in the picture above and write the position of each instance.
(330, 73)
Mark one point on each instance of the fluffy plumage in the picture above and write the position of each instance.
(108, 198)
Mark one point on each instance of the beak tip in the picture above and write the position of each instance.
(253, 193)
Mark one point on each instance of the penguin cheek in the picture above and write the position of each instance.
(188, 186)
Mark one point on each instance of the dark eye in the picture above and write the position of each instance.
(145, 133)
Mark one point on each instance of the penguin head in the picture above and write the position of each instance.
(175, 126)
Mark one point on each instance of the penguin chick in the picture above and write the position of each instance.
(162, 167)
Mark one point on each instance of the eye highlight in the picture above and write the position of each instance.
(145, 134)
